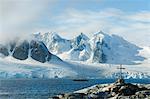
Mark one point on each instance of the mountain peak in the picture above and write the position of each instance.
(82, 36)
(100, 33)
(52, 35)
(55, 35)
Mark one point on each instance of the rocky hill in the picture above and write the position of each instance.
(22, 50)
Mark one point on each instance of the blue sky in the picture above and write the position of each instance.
(125, 5)
(127, 18)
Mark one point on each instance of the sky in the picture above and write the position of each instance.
(127, 18)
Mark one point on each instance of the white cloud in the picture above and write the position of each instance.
(19, 17)
(143, 16)
(114, 21)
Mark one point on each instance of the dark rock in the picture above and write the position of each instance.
(99, 95)
(21, 51)
(4, 50)
(143, 94)
(99, 55)
(120, 82)
(34, 49)
(93, 96)
(128, 89)
(115, 89)
(142, 88)
(121, 90)
(76, 96)
(39, 51)
(133, 97)
(55, 97)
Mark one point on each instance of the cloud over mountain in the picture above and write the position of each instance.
(72, 17)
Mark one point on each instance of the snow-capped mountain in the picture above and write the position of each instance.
(54, 42)
(114, 49)
(101, 48)
(80, 49)
(34, 59)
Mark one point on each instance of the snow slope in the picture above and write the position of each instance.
(29, 68)
(13, 68)
(54, 42)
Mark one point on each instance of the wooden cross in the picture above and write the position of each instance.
(121, 68)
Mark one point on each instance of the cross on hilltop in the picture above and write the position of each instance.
(120, 68)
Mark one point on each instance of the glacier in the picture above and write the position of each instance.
(29, 68)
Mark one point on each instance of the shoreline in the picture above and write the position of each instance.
(116, 90)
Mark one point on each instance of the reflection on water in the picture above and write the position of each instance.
(44, 88)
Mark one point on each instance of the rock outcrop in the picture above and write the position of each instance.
(4, 50)
(25, 49)
(21, 51)
(39, 51)
(117, 90)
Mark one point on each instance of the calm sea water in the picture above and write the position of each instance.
(44, 88)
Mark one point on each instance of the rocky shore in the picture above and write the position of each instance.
(117, 90)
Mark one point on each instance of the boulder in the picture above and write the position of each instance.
(21, 51)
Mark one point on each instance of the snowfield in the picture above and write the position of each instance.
(13, 68)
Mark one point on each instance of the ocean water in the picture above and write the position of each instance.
(44, 88)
